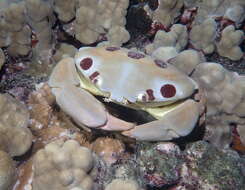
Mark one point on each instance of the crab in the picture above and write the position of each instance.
(128, 78)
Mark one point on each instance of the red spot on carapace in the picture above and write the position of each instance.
(150, 94)
(135, 55)
(93, 76)
(112, 48)
(168, 91)
(86, 63)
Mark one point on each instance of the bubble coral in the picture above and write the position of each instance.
(62, 165)
(228, 46)
(107, 17)
(7, 171)
(16, 138)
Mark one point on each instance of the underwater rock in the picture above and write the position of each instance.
(160, 164)
(206, 167)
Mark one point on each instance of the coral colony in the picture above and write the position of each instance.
(122, 95)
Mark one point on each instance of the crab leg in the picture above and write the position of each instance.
(176, 123)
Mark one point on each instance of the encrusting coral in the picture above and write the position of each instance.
(7, 171)
(104, 18)
(228, 46)
(15, 137)
(62, 165)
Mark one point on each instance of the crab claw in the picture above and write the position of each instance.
(76, 102)
(115, 124)
(176, 123)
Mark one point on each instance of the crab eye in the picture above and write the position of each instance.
(86, 63)
(147, 96)
(168, 91)
(150, 94)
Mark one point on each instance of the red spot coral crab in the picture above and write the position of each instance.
(130, 79)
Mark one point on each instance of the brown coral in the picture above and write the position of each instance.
(108, 148)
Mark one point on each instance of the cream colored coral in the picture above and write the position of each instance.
(20, 42)
(64, 166)
(14, 32)
(235, 13)
(64, 50)
(177, 37)
(117, 36)
(225, 92)
(164, 53)
(15, 137)
(166, 12)
(14, 16)
(2, 58)
(7, 171)
(209, 9)
(120, 184)
(65, 9)
(37, 10)
(187, 60)
(202, 36)
(228, 46)
(94, 19)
